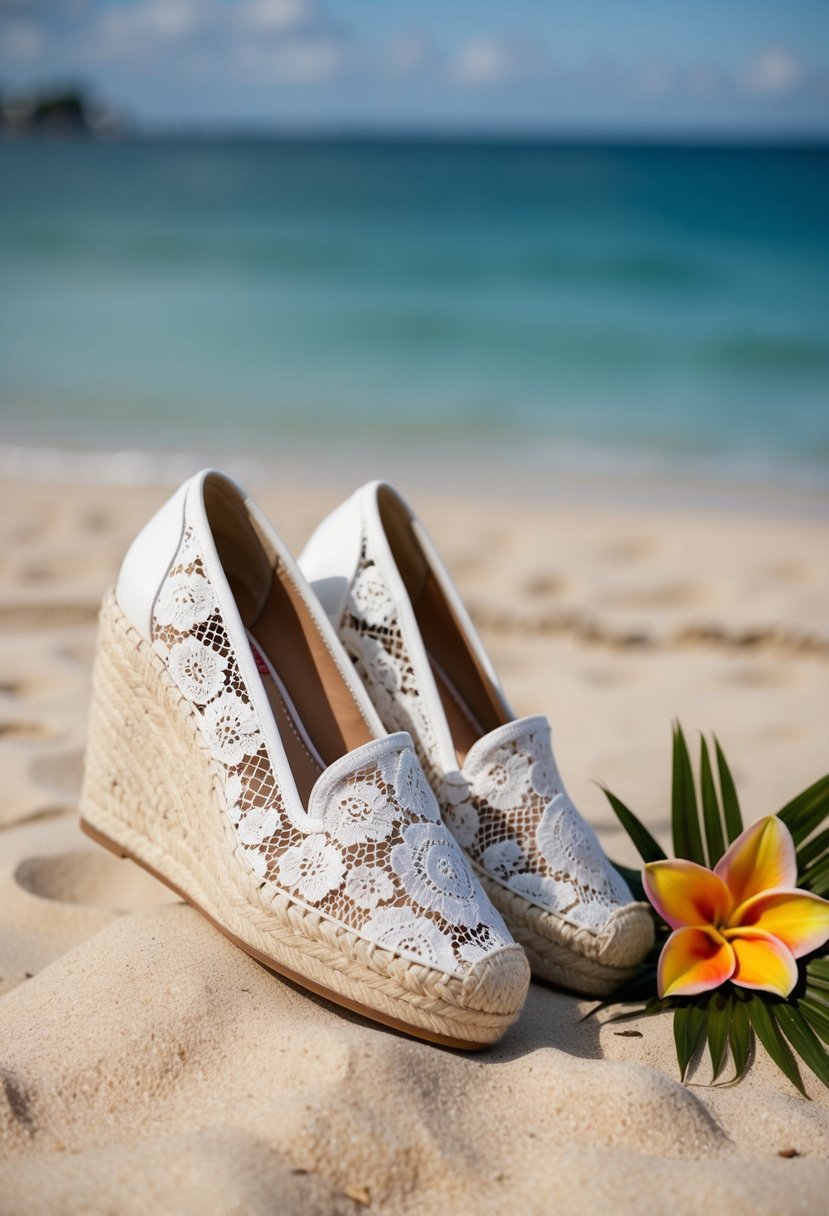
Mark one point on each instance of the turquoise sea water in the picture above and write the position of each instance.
(641, 305)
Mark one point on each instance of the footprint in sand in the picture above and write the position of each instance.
(27, 617)
(791, 571)
(92, 878)
(60, 773)
(629, 548)
(95, 521)
(544, 586)
(615, 676)
(760, 675)
(81, 652)
(660, 595)
(25, 731)
(68, 565)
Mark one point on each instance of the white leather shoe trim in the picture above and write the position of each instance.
(364, 756)
(330, 557)
(481, 751)
(147, 561)
(196, 515)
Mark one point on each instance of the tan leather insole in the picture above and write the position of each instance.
(464, 729)
(469, 700)
(314, 709)
(306, 763)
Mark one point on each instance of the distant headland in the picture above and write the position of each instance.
(63, 113)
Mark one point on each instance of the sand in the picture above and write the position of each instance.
(149, 1066)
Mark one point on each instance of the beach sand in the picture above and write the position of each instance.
(147, 1065)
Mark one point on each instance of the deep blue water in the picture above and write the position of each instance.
(643, 303)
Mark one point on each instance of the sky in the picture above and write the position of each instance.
(721, 67)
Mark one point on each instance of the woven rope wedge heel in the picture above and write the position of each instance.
(500, 792)
(261, 787)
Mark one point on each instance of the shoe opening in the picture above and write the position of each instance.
(315, 710)
(471, 701)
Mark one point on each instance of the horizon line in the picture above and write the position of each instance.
(437, 134)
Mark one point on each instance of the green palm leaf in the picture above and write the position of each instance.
(711, 816)
(648, 848)
(816, 1014)
(684, 813)
(813, 850)
(816, 880)
(740, 1037)
(730, 802)
(718, 1029)
(803, 1039)
(805, 813)
(690, 1025)
(768, 1032)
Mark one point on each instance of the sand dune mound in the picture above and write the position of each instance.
(157, 1032)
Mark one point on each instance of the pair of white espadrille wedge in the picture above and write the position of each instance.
(329, 771)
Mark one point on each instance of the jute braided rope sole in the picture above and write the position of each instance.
(153, 793)
(568, 956)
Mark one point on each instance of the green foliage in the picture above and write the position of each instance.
(647, 848)
(684, 814)
(728, 792)
(765, 1025)
(690, 1027)
(712, 818)
(732, 1020)
(806, 818)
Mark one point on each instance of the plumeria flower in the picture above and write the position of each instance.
(744, 921)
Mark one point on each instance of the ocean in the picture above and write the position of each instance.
(555, 307)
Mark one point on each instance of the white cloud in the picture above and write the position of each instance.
(221, 48)
(289, 41)
(409, 53)
(308, 60)
(275, 16)
(774, 70)
(703, 80)
(656, 79)
(483, 61)
(130, 28)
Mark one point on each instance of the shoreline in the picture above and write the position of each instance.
(584, 476)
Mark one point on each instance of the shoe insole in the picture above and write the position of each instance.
(472, 706)
(304, 759)
(463, 725)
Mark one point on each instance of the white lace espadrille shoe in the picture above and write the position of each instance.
(401, 620)
(233, 752)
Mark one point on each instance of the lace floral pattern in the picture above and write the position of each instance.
(360, 813)
(371, 633)
(397, 929)
(435, 874)
(384, 864)
(509, 811)
(528, 834)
